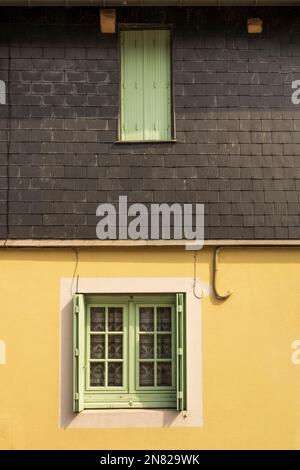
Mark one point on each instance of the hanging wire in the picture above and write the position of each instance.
(195, 278)
(74, 274)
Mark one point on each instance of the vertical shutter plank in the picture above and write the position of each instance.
(139, 90)
(78, 352)
(180, 350)
(149, 90)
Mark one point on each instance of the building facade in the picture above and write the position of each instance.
(143, 343)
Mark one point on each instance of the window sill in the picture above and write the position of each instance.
(132, 418)
(170, 141)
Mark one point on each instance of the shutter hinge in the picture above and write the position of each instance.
(76, 309)
(179, 351)
(179, 308)
(76, 396)
(76, 352)
(179, 395)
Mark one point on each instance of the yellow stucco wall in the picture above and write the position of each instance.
(251, 386)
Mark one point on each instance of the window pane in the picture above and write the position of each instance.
(115, 318)
(97, 319)
(146, 374)
(115, 374)
(115, 346)
(146, 346)
(164, 346)
(97, 374)
(146, 318)
(164, 373)
(164, 319)
(97, 346)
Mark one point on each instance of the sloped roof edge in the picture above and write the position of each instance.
(115, 3)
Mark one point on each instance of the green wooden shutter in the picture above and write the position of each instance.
(132, 85)
(145, 85)
(78, 352)
(180, 353)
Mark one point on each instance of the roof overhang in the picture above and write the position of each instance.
(116, 3)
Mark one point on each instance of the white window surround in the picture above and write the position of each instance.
(132, 418)
(2, 352)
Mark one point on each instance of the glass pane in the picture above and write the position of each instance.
(164, 346)
(115, 374)
(146, 318)
(97, 347)
(146, 346)
(164, 319)
(97, 374)
(97, 319)
(146, 374)
(164, 373)
(115, 346)
(115, 319)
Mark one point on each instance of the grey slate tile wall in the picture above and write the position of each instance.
(238, 134)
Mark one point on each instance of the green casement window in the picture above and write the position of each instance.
(145, 85)
(129, 351)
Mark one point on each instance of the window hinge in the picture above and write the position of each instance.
(76, 396)
(179, 395)
(179, 351)
(179, 308)
(76, 352)
(76, 309)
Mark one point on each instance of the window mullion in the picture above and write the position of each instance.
(131, 348)
(106, 349)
